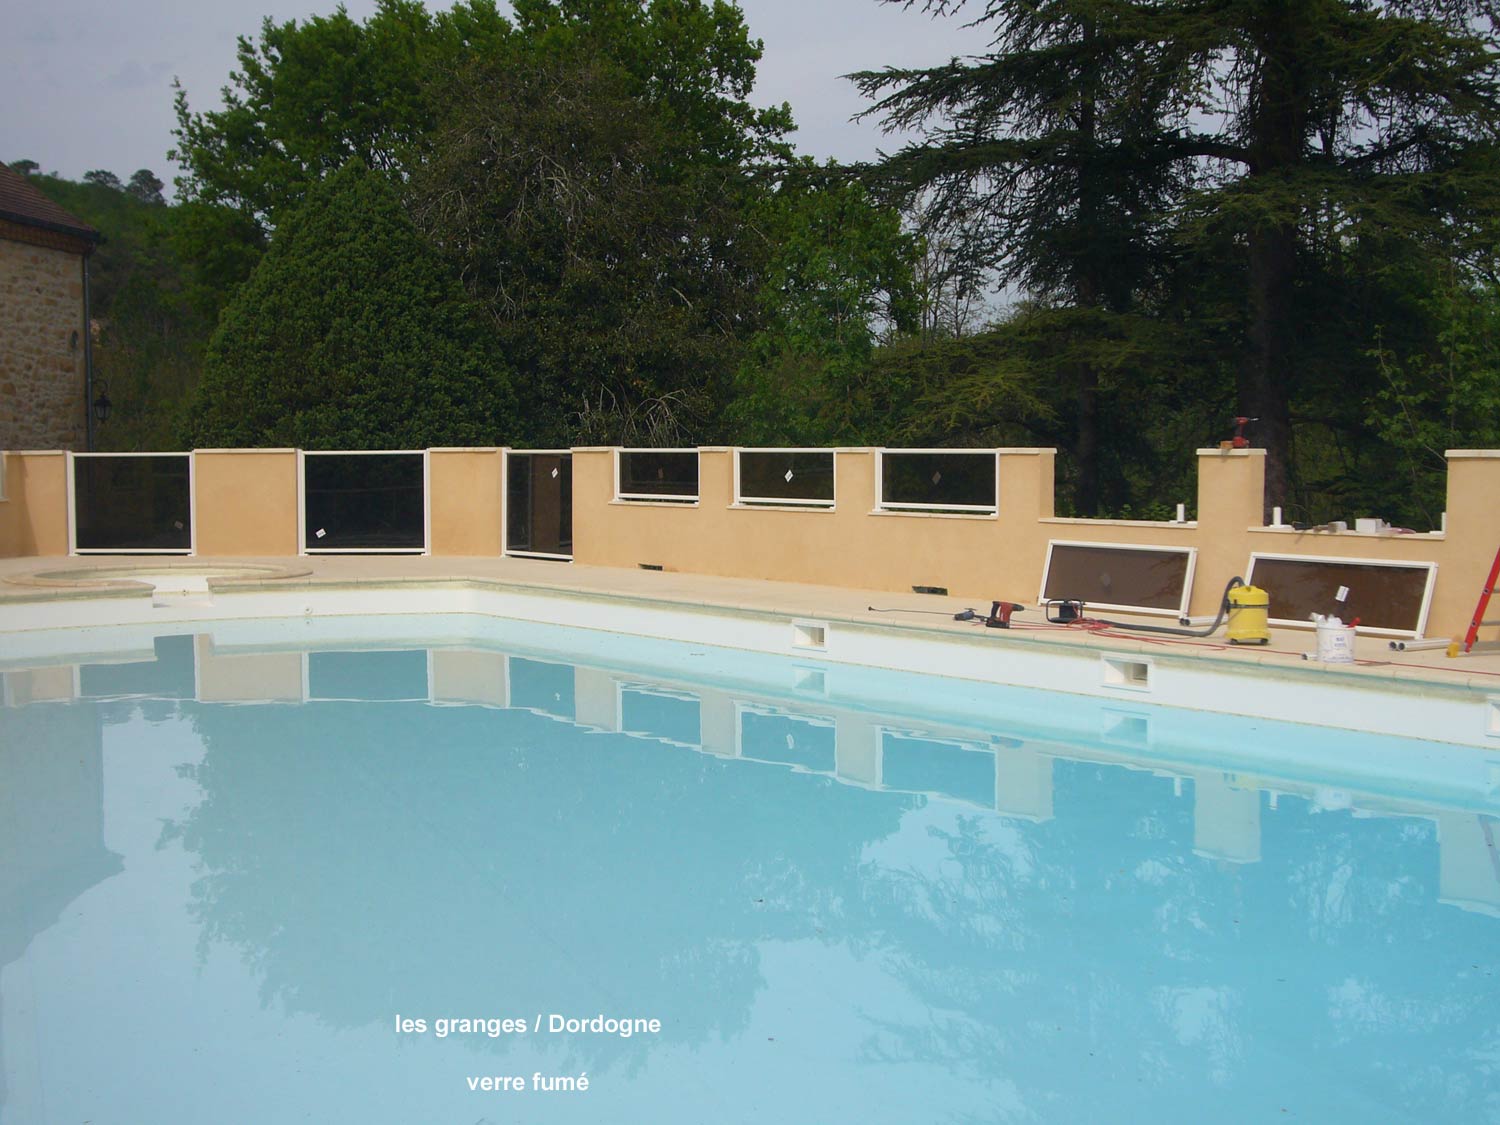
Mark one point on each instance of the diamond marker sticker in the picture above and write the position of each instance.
(937, 476)
(789, 476)
(554, 473)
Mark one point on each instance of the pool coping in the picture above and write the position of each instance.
(1288, 652)
(736, 613)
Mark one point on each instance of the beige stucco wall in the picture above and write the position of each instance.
(983, 558)
(246, 505)
(245, 501)
(41, 347)
(465, 499)
(849, 545)
(980, 557)
(34, 512)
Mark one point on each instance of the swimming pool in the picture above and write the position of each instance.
(238, 857)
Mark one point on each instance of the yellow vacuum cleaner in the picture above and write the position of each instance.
(1249, 606)
(1246, 607)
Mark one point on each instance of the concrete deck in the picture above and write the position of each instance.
(918, 613)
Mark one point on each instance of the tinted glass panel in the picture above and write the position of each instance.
(1150, 579)
(132, 503)
(938, 479)
(786, 476)
(646, 472)
(366, 501)
(539, 503)
(1382, 597)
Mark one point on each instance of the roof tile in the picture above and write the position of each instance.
(23, 203)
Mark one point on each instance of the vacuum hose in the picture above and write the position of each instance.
(1209, 631)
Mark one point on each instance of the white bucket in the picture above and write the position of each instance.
(1335, 641)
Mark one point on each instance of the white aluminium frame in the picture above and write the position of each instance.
(75, 549)
(785, 501)
(1293, 623)
(884, 505)
(507, 454)
(1187, 578)
(304, 549)
(658, 497)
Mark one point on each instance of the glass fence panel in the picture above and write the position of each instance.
(658, 474)
(364, 502)
(786, 476)
(942, 480)
(132, 503)
(539, 504)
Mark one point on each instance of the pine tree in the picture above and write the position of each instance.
(1093, 131)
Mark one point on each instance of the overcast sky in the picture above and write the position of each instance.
(87, 83)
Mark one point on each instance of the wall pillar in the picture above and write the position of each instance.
(245, 502)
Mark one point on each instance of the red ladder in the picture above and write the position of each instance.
(1484, 601)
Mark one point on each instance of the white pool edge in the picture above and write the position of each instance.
(1127, 673)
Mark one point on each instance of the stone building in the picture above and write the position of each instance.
(44, 335)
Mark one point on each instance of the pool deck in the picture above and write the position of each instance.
(926, 615)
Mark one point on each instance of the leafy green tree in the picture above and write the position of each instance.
(304, 100)
(838, 281)
(219, 247)
(586, 167)
(103, 178)
(351, 334)
(308, 97)
(25, 167)
(145, 186)
(693, 60)
(609, 263)
(1249, 125)
(596, 201)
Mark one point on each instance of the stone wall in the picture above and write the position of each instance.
(41, 358)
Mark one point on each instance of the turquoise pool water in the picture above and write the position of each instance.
(834, 908)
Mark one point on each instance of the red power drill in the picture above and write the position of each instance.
(1000, 612)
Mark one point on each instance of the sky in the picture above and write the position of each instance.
(87, 84)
